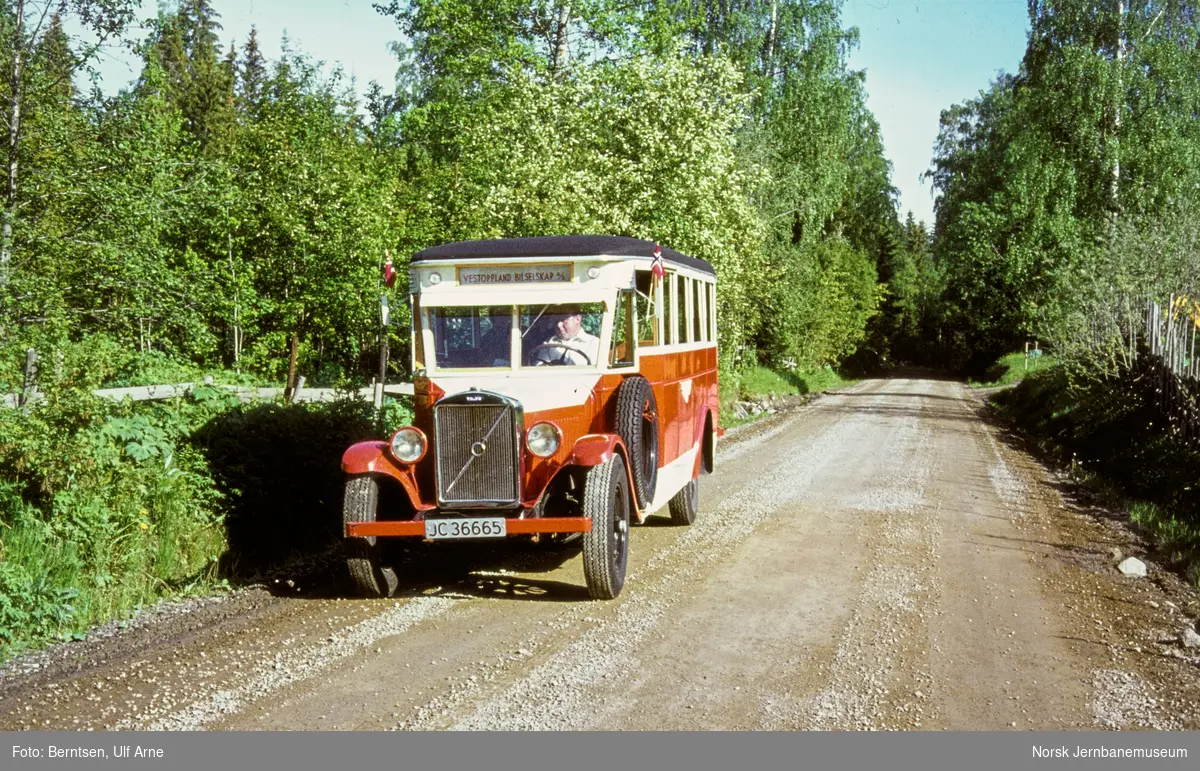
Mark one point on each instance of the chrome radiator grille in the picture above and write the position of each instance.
(477, 454)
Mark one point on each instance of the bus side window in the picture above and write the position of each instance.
(712, 311)
(624, 342)
(697, 308)
(681, 330)
(668, 323)
(647, 309)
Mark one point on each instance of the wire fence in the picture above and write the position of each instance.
(1171, 335)
(1168, 361)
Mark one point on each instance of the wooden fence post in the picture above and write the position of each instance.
(1192, 350)
(377, 394)
(291, 395)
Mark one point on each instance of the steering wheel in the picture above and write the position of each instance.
(561, 360)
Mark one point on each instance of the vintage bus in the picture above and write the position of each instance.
(565, 388)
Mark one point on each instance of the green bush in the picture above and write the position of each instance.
(107, 500)
(277, 469)
(106, 506)
(396, 414)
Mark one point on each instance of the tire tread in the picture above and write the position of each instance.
(361, 504)
(684, 505)
(599, 490)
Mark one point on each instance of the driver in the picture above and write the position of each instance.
(570, 344)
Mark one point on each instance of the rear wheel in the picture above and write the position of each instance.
(637, 425)
(606, 546)
(685, 504)
(363, 555)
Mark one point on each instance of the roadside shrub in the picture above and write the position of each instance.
(277, 469)
(1113, 433)
(396, 414)
(104, 504)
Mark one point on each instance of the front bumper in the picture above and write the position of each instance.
(513, 526)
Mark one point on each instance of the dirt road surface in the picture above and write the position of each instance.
(883, 558)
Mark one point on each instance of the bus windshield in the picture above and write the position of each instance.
(472, 337)
(481, 337)
(561, 335)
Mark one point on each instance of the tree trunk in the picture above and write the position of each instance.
(1114, 139)
(237, 329)
(559, 61)
(289, 392)
(772, 33)
(14, 141)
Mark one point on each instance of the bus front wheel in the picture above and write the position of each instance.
(606, 545)
(371, 577)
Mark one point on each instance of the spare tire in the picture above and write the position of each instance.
(637, 425)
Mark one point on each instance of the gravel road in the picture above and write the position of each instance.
(882, 558)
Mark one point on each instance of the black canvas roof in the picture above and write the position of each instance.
(557, 246)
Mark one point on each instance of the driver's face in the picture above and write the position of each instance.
(568, 326)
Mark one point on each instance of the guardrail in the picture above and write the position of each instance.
(176, 390)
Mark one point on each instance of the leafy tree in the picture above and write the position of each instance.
(1033, 175)
(38, 60)
(317, 223)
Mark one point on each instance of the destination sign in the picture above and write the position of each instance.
(516, 274)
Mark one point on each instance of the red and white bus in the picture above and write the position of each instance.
(565, 387)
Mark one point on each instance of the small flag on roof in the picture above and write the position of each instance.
(657, 266)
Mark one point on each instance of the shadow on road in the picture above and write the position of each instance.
(475, 569)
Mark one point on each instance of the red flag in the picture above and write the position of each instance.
(657, 266)
(389, 273)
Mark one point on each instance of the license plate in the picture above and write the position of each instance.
(474, 527)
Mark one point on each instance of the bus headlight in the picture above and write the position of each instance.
(408, 445)
(543, 439)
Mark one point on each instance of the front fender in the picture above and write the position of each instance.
(373, 458)
(366, 457)
(594, 449)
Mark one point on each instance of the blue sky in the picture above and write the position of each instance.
(921, 56)
(347, 32)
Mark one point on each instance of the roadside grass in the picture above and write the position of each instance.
(1119, 451)
(760, 381)
(1179, 541)
(107, 507)
(1012, 369)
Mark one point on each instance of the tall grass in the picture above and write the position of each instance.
(761, 381)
